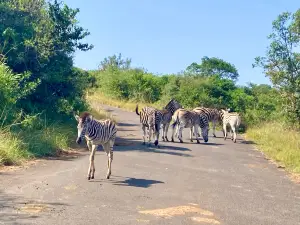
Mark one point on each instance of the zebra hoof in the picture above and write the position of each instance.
(92, 177)
(156, 142)
(172, 140)
(167, 139)
(181, 141)
(143, 143)
(191, 140)
(214, 135)
(107, 177)
(198, 142)
(89, 177)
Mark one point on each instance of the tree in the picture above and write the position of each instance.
(40, 38)
(214, 66)
(115, 62)
(282, 63)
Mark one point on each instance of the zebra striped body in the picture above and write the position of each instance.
(189, 119)
(213, 115)
(96, 133)
(171, 107)
(234, 120)
(151, 119)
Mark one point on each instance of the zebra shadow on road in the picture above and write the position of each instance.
(129, 181)
(134, 144)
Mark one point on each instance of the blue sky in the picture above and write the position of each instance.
(166, 36)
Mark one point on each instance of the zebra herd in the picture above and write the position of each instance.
(173, 114)
(152, 119)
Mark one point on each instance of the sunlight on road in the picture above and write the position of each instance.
(183, 210)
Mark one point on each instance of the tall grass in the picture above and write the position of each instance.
(100, 98)
(49, 140)
(279, 143)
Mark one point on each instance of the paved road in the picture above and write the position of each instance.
(215, 183)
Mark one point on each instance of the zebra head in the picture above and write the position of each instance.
(204, 133)
(172, 106)
(204, 124)
(83, 122)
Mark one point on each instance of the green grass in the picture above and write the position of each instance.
(99, 98)
(278, 143)
(50, 140)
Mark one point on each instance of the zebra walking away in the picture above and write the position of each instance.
(151, 119)
(234, 120)
(213, 115)
(96, 133)
(171, 107)
(183, 118)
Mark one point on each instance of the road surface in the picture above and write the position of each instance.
(215, 183)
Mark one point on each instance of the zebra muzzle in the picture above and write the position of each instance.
(78, 140)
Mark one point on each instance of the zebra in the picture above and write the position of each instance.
(170, 108)
(96, 133)
(150, 118)
(189, 119)
(214, 115)
(234, 120)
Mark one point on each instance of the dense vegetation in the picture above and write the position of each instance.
(39, 86)
(270, 112)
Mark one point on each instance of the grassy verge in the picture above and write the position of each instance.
(99, 98)
(278, 143)
(16, 148)
(51, 140)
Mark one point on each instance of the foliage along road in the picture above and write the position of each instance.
(215, 183)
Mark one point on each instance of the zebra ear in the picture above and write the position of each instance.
(76, 117)
(89, 118)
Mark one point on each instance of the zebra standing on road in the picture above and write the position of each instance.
(171, 107)
(183, 118)
(234, 120)
(151, 119)
(96, 133)
(213, 115)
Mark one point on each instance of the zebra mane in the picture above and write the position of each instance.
(85, 115)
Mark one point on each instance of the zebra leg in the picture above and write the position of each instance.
(234, 134)
(224, 131)
(89, 145)
(180, 128)
(173, 131)
(110, 154)
(144, 134)
(149, 136)
(191, 132)
(214, 128)
(163, 133)
(196, 127)
(166, 131)
(91, 170)
(157, 138)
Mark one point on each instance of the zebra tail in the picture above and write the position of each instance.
(174, 121)
(137, 110)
